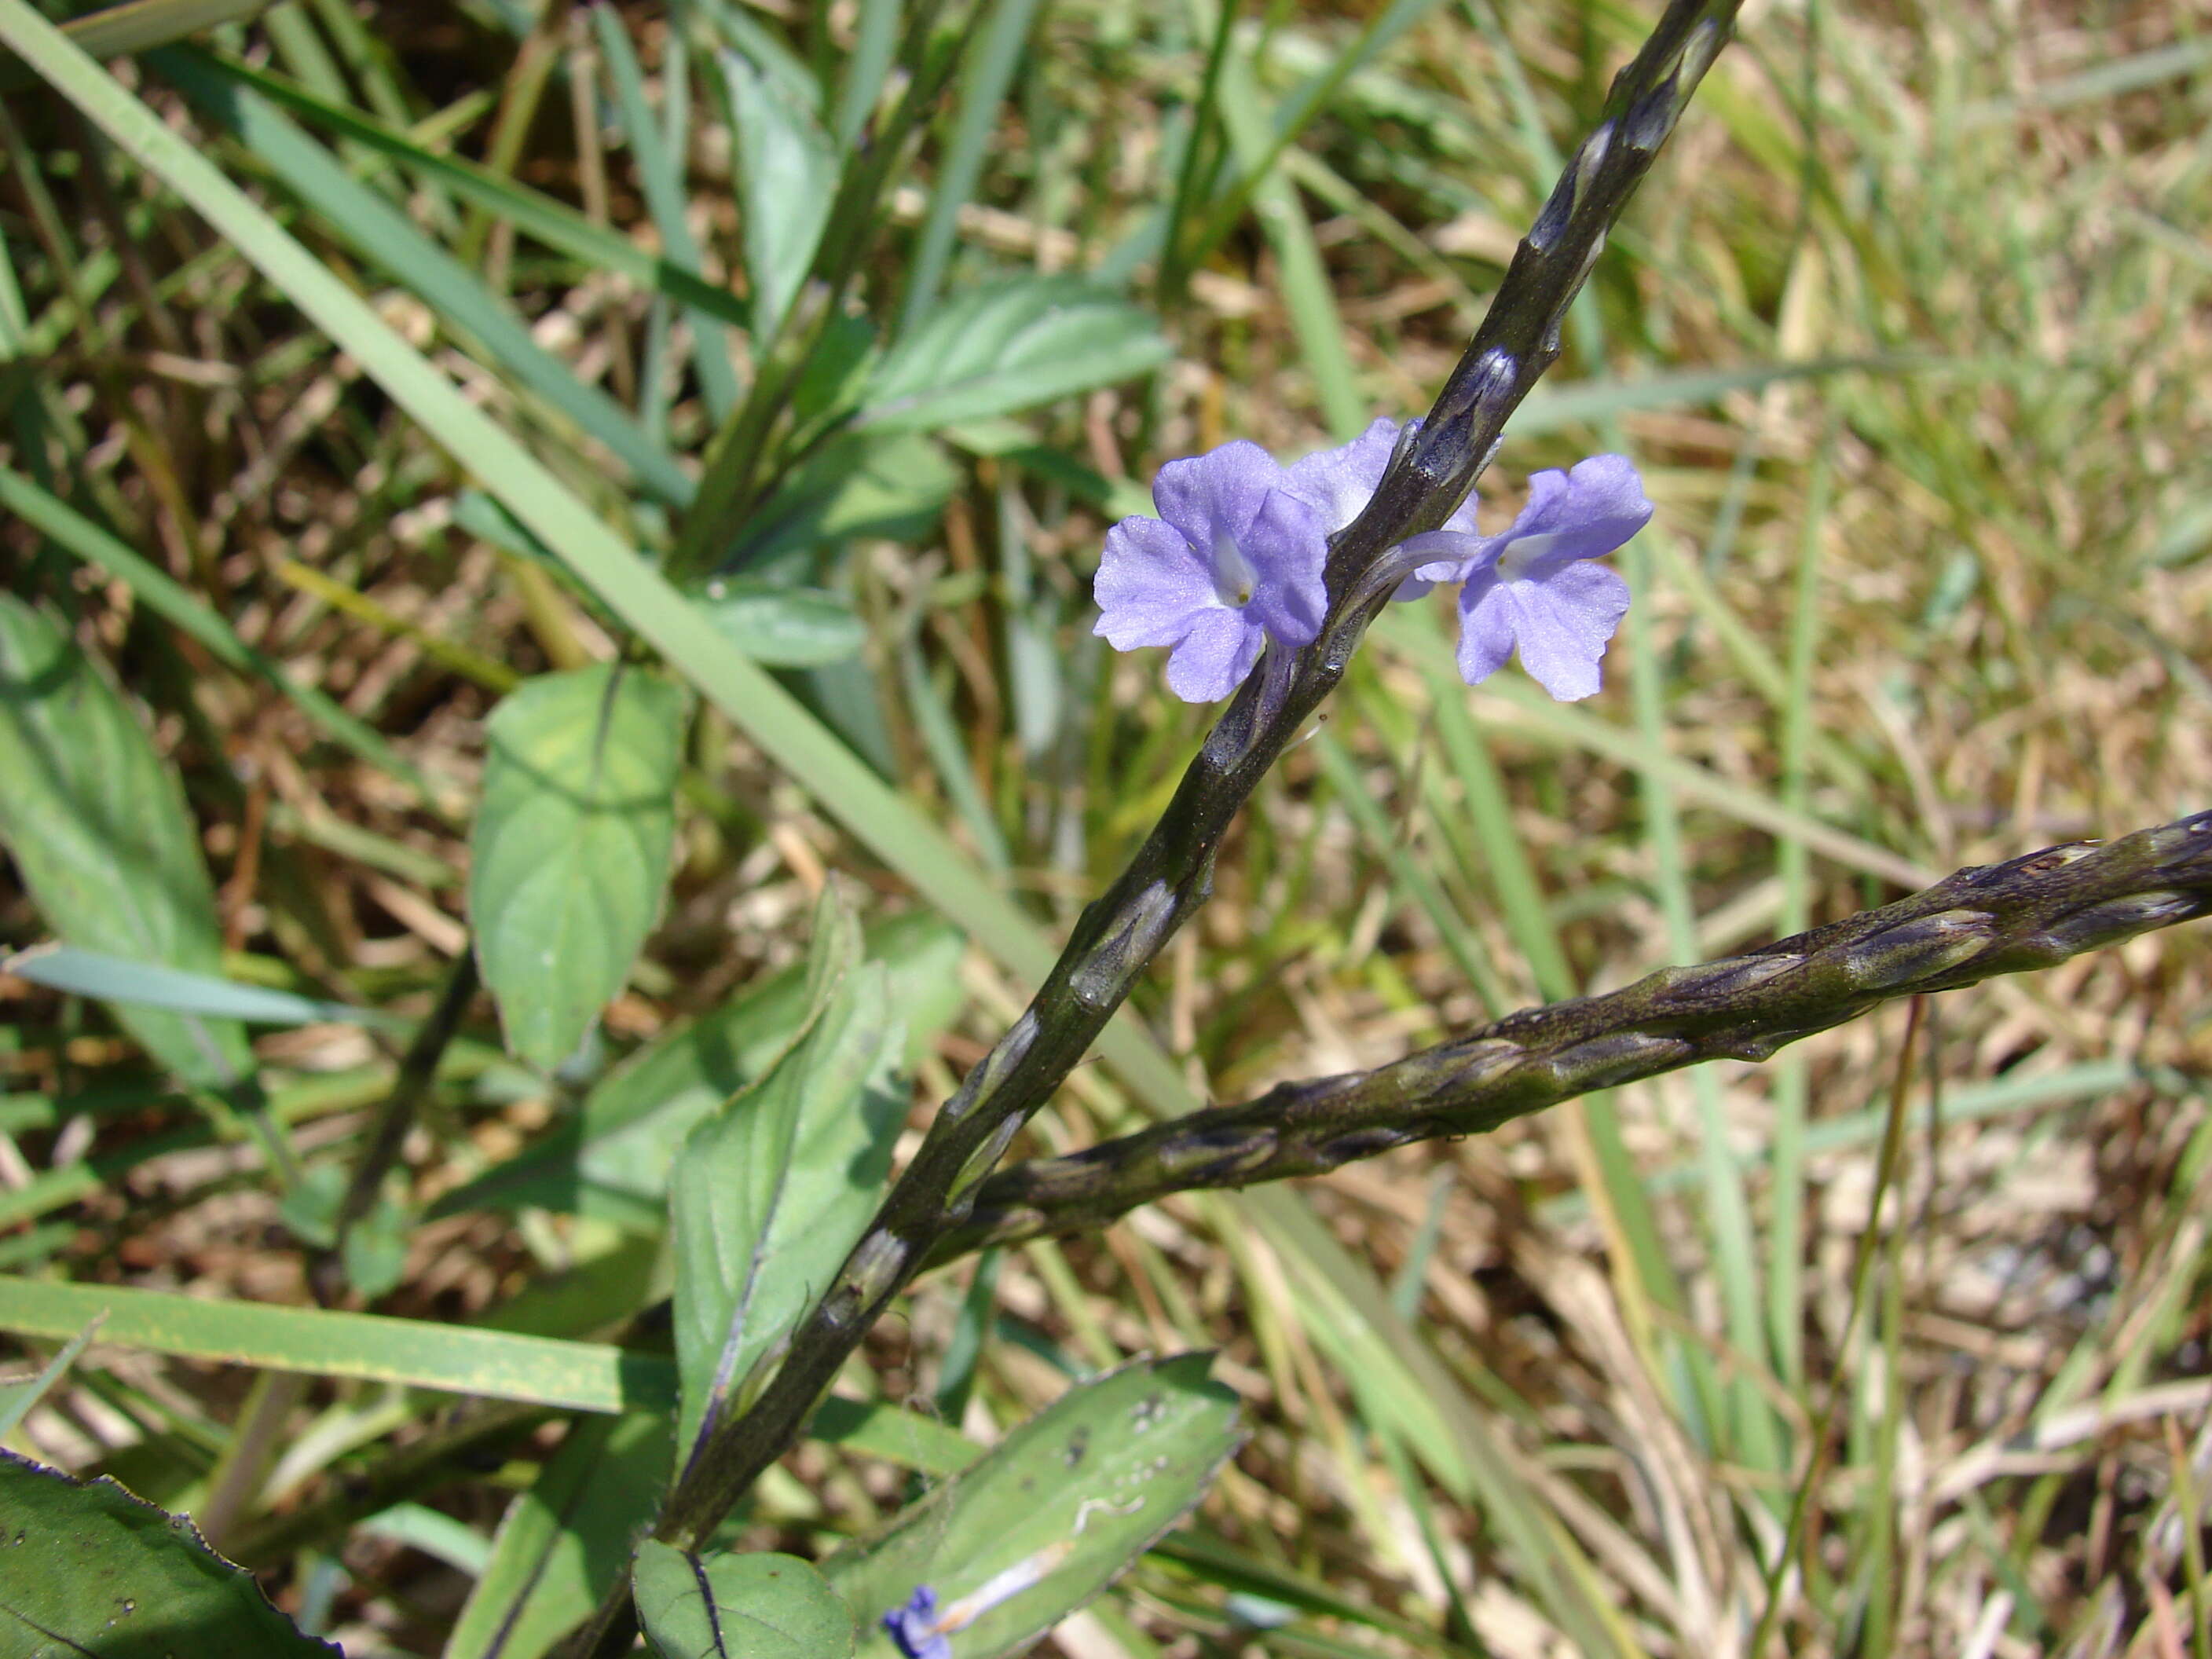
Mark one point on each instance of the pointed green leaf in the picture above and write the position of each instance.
(96, 974)
(85, 1568)
(772, 1191)
(1013, 345)
(787, 173)
(571, 847)
(737, 1607)
(98, 829)
(1050, 1516)
(565, 1542)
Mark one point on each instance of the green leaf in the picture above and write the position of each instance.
(119, 31)
(772, 1191)
(788, 176)
(309, 1209)
(585, 1377)
(571, 848)
(660, 172)
(831, 378)
(784, 627)
(433, 1532)
(565, 1542)
(1046, 1520)
(737, 1607)
(88, 1568)
(1009, 346)
(612, 1160)
(100, 831)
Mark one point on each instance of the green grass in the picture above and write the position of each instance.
(1907, 333)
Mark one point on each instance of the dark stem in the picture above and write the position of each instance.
(1170, 876)
(2002, 919)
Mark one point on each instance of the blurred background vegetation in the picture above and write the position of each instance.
(1909, 333)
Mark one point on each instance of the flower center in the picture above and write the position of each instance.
(1521, 552)
(1234, 578)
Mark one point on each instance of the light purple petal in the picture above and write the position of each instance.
(1216, 654)
(1214, 496)
(1288, 546)
(1340, 482)
(1562, 624)
(1150, 582)
(1486, 629)
(1583, 513)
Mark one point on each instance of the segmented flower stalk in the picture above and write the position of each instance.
(1997, 919)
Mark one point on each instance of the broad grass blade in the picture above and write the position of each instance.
(148, 984)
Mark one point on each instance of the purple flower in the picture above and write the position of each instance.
(1534, 588)
(1233, 559)
(1340, 482)
(914, 1626)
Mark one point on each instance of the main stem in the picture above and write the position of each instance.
(1170, 876)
